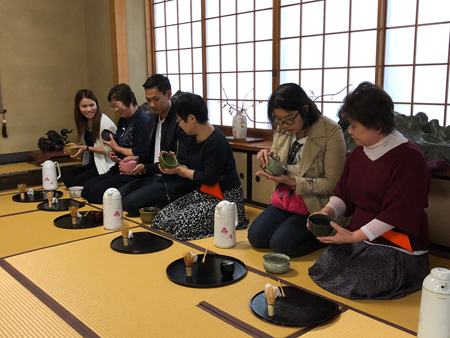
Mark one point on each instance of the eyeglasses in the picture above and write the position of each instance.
(289, 122)
(116, 107)
(293, 153)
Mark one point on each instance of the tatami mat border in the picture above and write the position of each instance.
(398, 327)
(60, 311)
(19, 213)
(233, 321)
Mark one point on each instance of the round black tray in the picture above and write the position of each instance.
(39, 196)
(298, 308)
(141, 243)
(85, 222)
(205, 275)
(62, 205)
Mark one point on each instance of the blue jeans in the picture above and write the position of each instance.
(283, 232)
(153, 191)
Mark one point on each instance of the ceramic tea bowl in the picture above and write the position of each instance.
(70, 150)
(276, 262)
(148, 213)
(274, 167)
(127, 165)
(75, 191)
(319, 225)
(107, 134)
(167, 161)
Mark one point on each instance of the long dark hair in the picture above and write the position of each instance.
(81, 121)
(291, 97)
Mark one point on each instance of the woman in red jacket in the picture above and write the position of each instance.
(385, 185)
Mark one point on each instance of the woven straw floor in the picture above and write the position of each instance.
(69, 283)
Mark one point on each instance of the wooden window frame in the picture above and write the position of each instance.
(379, 66)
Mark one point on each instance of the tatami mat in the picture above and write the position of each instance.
(33, 229)
(25, 166)
(351, 322)
(120, 295)
(23, 315)
(298, 275)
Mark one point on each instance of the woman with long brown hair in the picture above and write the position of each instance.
(90, 121)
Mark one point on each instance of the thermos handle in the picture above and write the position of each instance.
(59, 171)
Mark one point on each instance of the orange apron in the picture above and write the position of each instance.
(401, 240)
(212, 190)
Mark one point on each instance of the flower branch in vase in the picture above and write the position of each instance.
(240, 116)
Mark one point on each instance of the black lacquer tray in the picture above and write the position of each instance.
(39, 196)
(62, 205)
(85, 222)
(142, 242)
(205, 275)
(298, 308)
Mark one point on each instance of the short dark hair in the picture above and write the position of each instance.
(371, 106)
(291, 97)
(159, 81)
(193, 104)
(123, 93)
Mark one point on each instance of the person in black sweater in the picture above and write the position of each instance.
(210, 165)
(132, 133)
(152, 188)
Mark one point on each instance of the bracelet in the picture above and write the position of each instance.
(87, 148)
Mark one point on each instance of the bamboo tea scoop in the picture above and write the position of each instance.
(204, 256)
(281, 288)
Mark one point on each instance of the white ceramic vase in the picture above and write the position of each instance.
(239, 126)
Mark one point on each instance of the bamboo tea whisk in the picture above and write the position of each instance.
(125, 230)
(271, 293)
(50, 197)
(189, 259)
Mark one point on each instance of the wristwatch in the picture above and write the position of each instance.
(144, 171)
(87, 148)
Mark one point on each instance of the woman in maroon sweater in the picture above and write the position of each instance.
(385, 185)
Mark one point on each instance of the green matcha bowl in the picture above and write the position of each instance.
(167, 161)
(274, 167)
(319, 225)
(276, 262)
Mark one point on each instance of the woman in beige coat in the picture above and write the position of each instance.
(312, 149)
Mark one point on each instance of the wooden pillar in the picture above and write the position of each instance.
(119, 43)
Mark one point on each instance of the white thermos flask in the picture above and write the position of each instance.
(112, 209)
(434, 317)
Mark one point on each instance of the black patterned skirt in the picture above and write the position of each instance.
(192, 216)
(365, 271)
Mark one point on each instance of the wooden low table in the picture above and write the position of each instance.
(41, 156)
